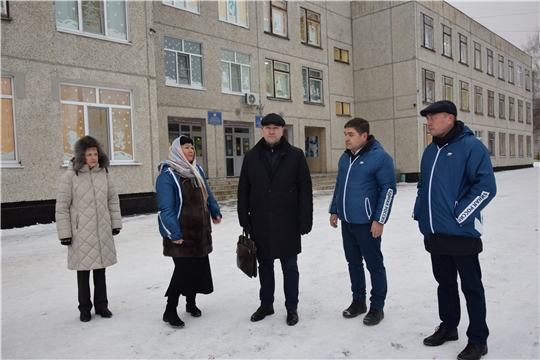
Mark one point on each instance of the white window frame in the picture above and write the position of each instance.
(276, 18)
(309, 78)
(243, 68)
(15, 162)
(427, 31)
(230, 17)
(191, 56)
(519, 75)
(69, 27)
(184, 5)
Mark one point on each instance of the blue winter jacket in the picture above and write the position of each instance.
(365, 187)
(456, 183)
(169, 197)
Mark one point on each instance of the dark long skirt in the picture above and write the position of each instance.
(191, 276)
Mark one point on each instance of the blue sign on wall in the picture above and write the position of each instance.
(214, 118)
(258, 121)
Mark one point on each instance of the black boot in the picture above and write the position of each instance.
(171, 316)
(192, 308)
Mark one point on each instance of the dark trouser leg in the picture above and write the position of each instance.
(267, 281)
(291, 279)
(354, 260)
(445, 273)
(100, 289)
(83, 284)
(173, 292)
(470, 275)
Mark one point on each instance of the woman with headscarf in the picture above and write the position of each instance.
(186, 205)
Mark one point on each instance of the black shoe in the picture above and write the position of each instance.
(105, 313)
(473, 352)
(193, 309)
(292, 317)
(373, 317)
(440, 337)
(261, 313)
(170, 316)
(356, 308)
(85, 316)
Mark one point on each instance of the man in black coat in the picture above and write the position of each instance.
(275, 205)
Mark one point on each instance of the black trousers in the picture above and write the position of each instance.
(100, 290)
(291, 279)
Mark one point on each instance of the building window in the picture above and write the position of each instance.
(447, 88)
(489, 62)
(478, 100)
(343, 108)
(528, 113)
(341, 55)
(502, 109)
(512, 145)
(447, 41)
(4, 9)
(502, 144)
(310, 27)
(312, 85)
(189, 5)
(479, 134)
(429, 86)
(477, 56)
(527, 80)
(511, 109)
(462, 49)
(519, 75)
(501, 67)
(103, 19)
(8, 138)
(276, 18)
(529, 147)
(520, 111)
(104, 114)
(491, 103)
(235, 72)
(464, 95)
(427, 32)
(234, 12)
(277, 79)
(491, 143)
(510, 71)
(520, 145)
(183, 62)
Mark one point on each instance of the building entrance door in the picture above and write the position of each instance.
(237, 143)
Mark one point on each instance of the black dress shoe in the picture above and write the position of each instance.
(193, 310)
(105, 313)
(473, 352)
(170, 316)
(292, 317)
(373, 317)
(356, 308)
(261, 313)
(440, 337)
(85, 316)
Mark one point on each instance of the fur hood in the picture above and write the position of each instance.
(81, 145)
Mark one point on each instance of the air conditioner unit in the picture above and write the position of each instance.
(251, 99)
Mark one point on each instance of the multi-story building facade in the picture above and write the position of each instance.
(135, 75)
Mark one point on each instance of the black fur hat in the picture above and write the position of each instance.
(81, 145)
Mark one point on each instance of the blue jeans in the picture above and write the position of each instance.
(360, 245)
(445, 270)
(291, 279)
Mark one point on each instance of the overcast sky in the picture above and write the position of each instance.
(511, 20)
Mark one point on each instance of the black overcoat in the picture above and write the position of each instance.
(275, 202)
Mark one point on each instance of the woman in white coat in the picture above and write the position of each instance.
(87, 217)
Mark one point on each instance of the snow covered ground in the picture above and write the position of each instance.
(39, 295)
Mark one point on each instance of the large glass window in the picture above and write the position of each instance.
(106, 18)
(234, 11)
(463, 49)
(312, 85)
(502, 108)
(464, 95)
(491, 143)
(489, 62)
(428, 80)
(183, 62)
(276, 18)
(520, 111)
(235, 72)
(502, 144)
(189, 5)
(310, 27)
(528, 113)
(510, 71)
(477, 56)
(447, 41)
(519, 76)
(511, 109)
(102, 113)
(8, 140)
(478, 100)
(527, 80)
(512, 145)
(448, 86)
(491, 103)
(501, 67)
(277, 79)
(427, 32)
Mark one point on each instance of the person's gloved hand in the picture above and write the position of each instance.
(66, 241)
(305, 228)
(115, 231)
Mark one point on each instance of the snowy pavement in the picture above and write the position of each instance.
(40, 319)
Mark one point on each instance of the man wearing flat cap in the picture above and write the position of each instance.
(456, 183)
(275, 206)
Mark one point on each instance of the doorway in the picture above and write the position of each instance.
(316, 149)
(237, 143)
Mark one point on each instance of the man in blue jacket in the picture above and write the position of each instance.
(363, 196)
(456, 183)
